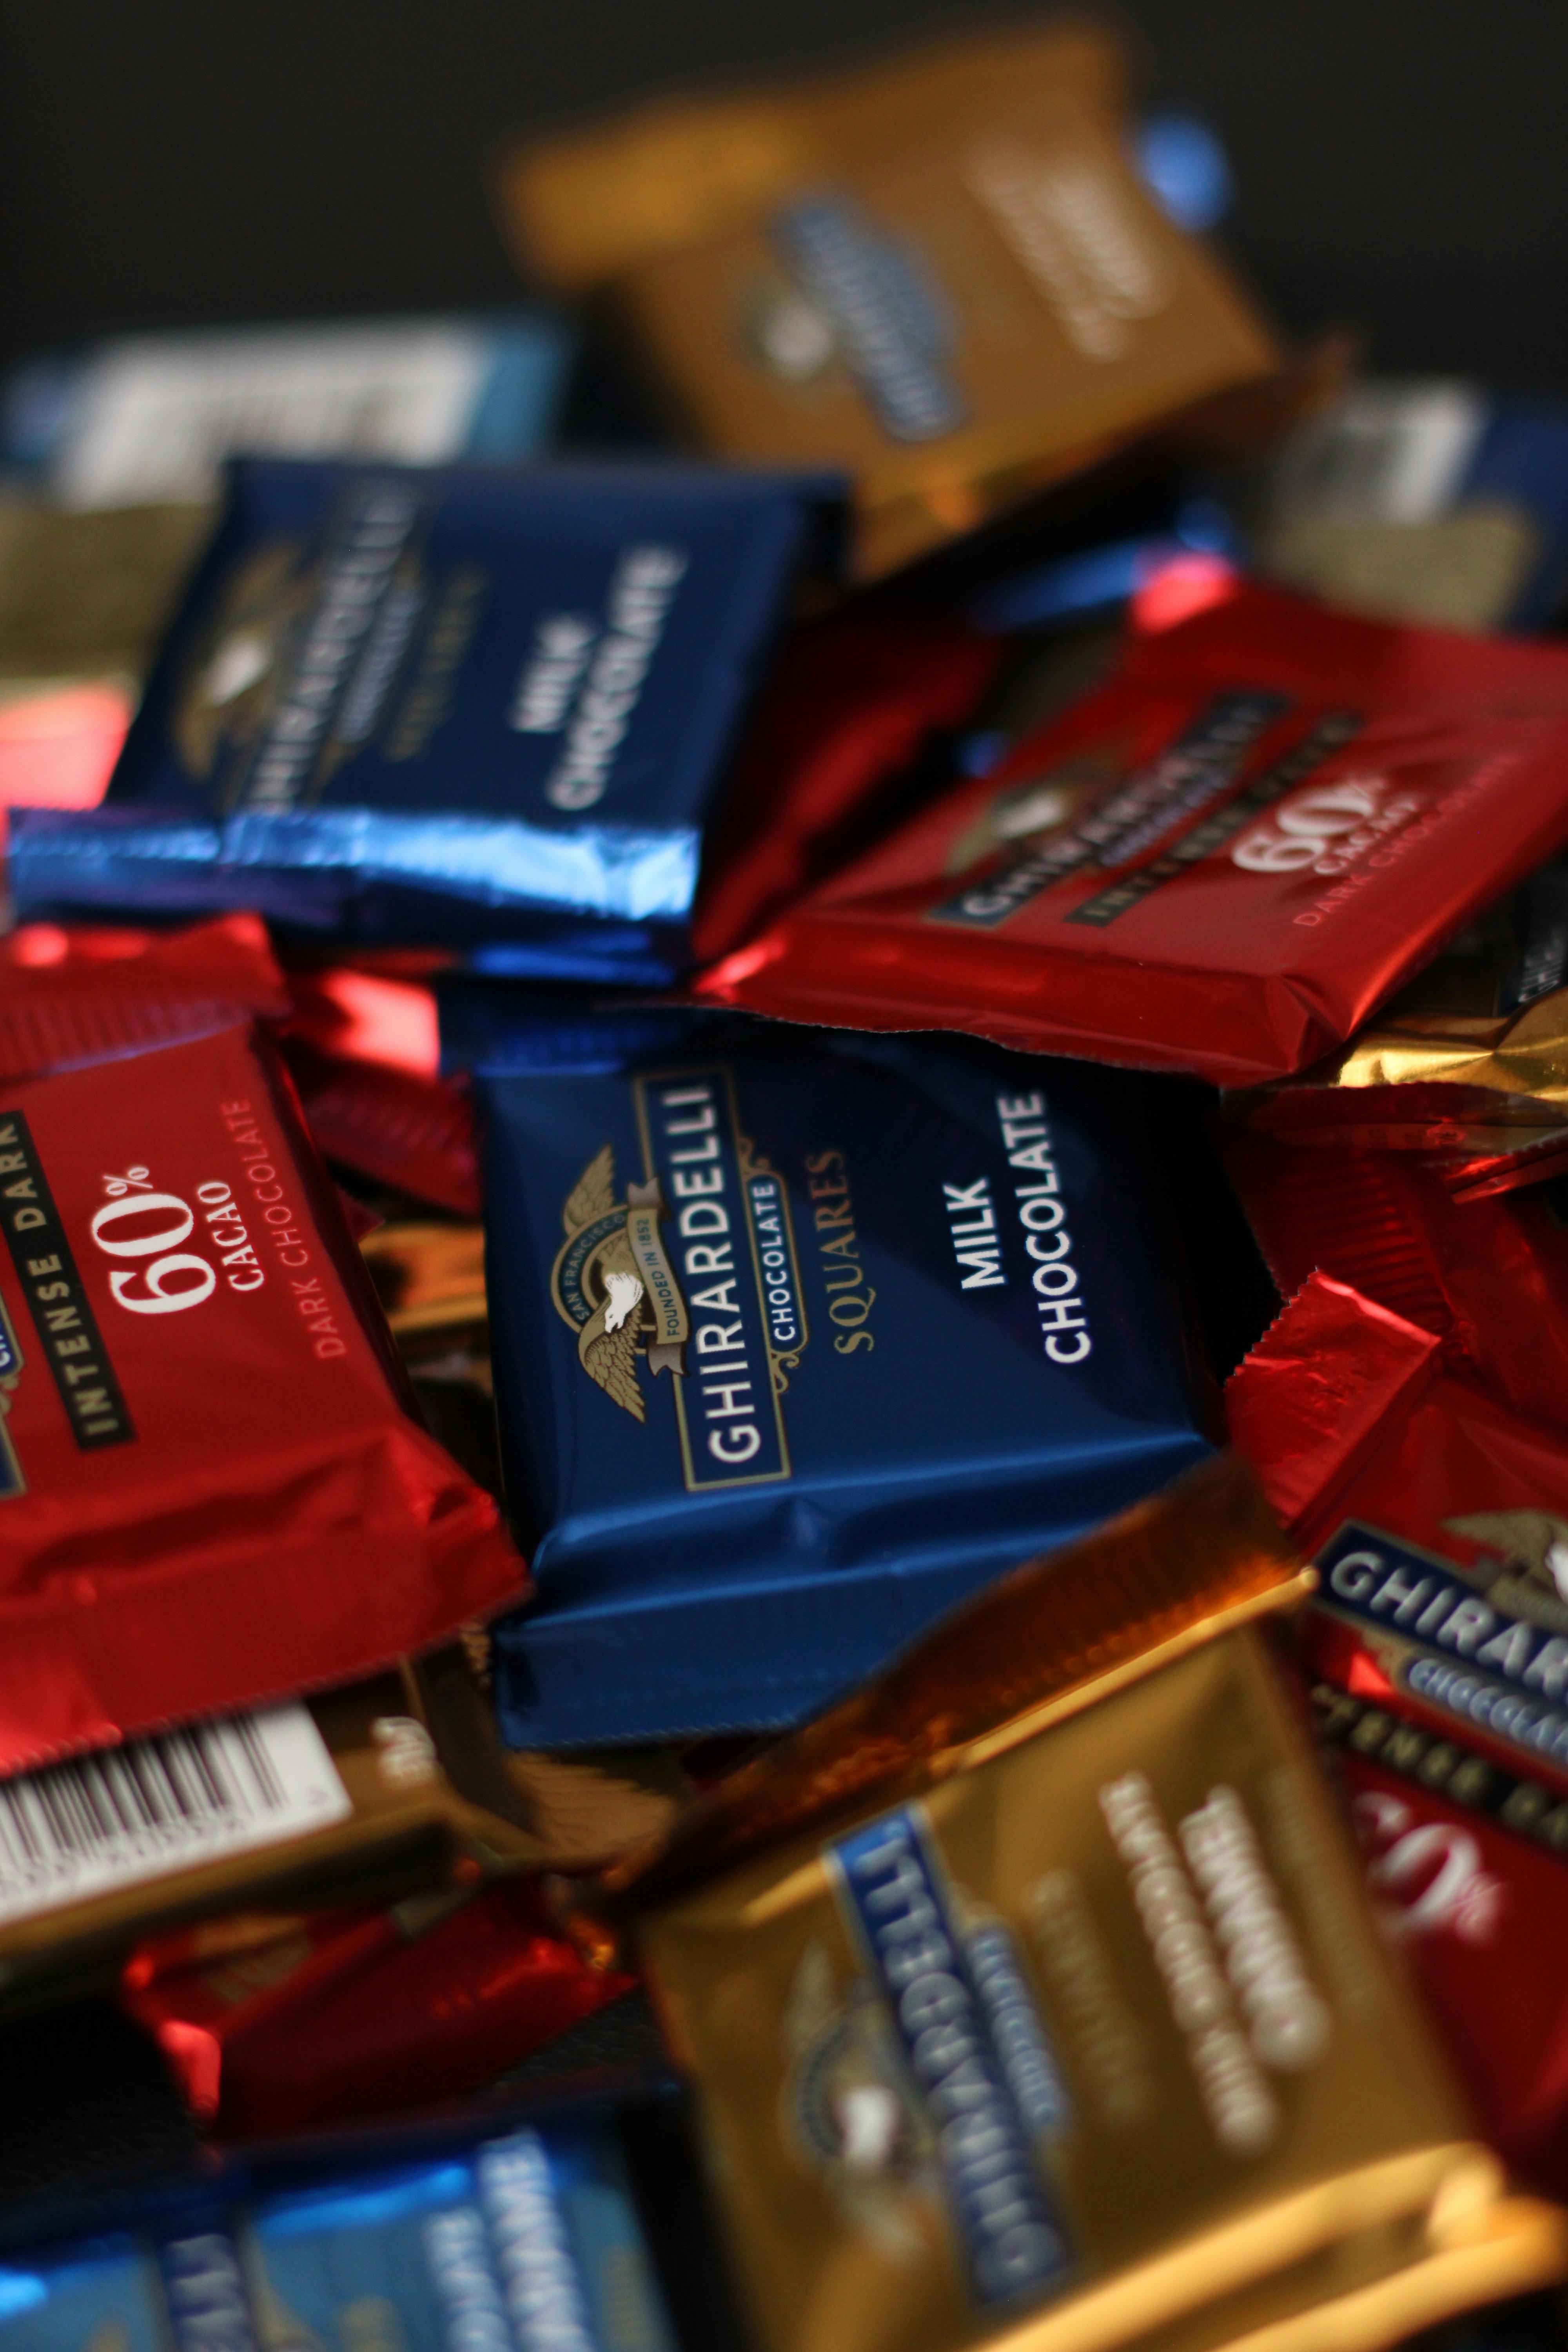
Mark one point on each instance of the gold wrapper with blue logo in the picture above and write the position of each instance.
(798, 1337)
(1031, 1998)
(941, 271)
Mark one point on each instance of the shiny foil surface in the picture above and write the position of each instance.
(941, 273)
(428, 706)
(987, 2053)
(797, 1340)
(215, 1491)
(1222, 862)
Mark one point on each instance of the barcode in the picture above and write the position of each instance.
(125, 1814)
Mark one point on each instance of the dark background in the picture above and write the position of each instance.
(1402, 164)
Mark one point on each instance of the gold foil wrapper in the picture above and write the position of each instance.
(583, 205)
(87, 594)
(940, 272)
(1031, 1998)
(1455, 1062)
(1520, 1063)
(1463, 571)
(1433, 1080)
(429, 1275)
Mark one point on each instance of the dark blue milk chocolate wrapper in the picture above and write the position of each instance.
(445, 706)
(524, 2240)
(799, 1337)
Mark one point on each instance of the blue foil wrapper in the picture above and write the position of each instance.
(525, 2240)
(447, 707)
(799, 1337)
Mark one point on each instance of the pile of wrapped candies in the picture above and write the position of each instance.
(783, 1231)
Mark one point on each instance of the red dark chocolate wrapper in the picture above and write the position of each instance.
(70, 996)
(1437, 1518)
(1474, 1156)
(365, 1052)
(1489, 1275)
(1466, 1867)
(1221, 862)
(852, 702)
(1417, 1117)
(353, 1015)
(359, 2015)
(413, 1133)
(195, 2011)
(213, 1490)
(1486, 1173)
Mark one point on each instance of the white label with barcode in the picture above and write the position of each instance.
(122, 1815)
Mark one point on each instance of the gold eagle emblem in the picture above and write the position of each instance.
(607, 1341)
(600, 1284)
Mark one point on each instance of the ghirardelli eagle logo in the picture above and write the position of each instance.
(1531, 1545)
(848, 2103)
(230, 680)
(612, 1283)
(1023, 815)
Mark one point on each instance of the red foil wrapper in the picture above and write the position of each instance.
(853, 700)
(77, 995)
(1466, 1867)
(1484, 1173)
(1438, 1520)
(211, 1490)
(58, 746)
(365, 1052)
(1222, 862)
(359, 2015)
(1451, 1125)
(414, 1134)
(1488, 1276)
(350, 1015)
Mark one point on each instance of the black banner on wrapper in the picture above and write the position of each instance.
(57, 1298)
